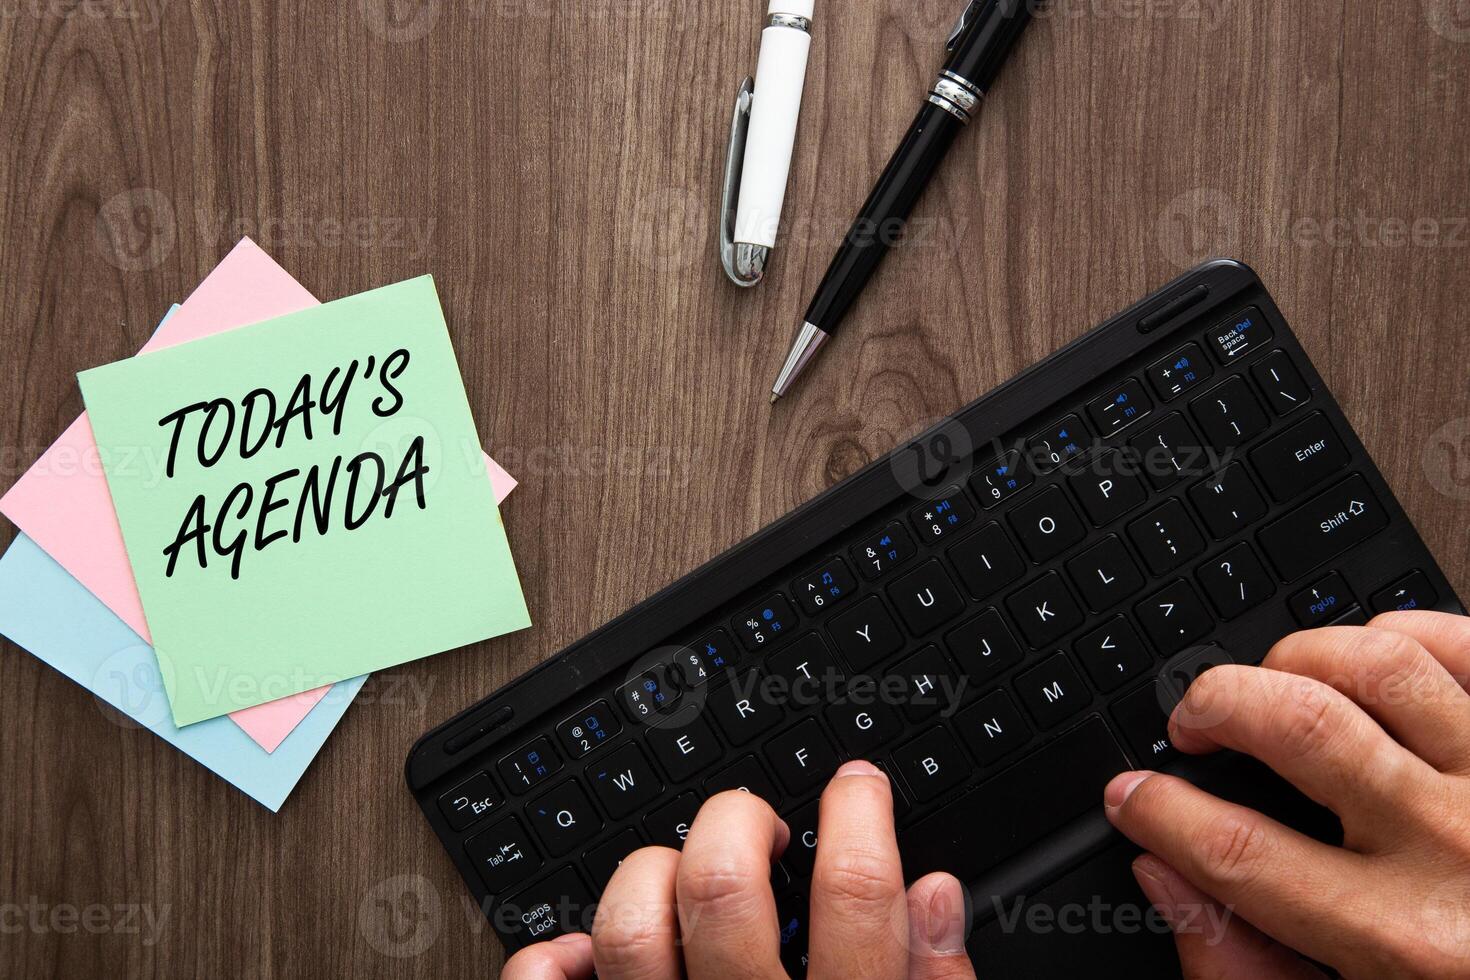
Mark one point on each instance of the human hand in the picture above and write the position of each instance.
(1372, 723)
(708, 911)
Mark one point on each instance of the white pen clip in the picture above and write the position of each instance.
(762, 138)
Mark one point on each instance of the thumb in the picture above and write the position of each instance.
(939, 924)
(564, 958)
(1211, 940)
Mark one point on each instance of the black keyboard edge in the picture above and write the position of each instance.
(505, 719)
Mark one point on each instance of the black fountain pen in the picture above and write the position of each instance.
(979, 45)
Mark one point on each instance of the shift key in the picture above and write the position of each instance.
(1323, 528)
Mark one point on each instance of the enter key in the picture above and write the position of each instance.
(1324, 527)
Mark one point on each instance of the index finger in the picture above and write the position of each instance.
(727, 911)
(859, 920)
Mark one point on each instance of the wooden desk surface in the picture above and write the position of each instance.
(556, 164)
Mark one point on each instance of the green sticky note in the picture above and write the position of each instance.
(304, 500)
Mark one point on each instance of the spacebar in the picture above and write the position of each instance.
(1014, 810)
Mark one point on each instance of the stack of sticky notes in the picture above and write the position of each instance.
(274, 499)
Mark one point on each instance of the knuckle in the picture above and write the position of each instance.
(625, 939)
(1308, 723)
(858, 880)
(1381, 656)
(1233, 850)
(722, 882)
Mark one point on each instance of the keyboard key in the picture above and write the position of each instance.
(987, 561)
(1353, 617)
(1169, 452)
(807, 670)
(1179, 372)
(503, 854)
(877, 555)
(668, 826)
(1001, 479)
(1166, 537)
(745, 708)
(707, 657)
(801, 853)
(984, 647)
(588, 729)
(684, 751)
(992, 728)
(1047, 524)
(926, 598)
(603, 860)
(469, 801)
(765, 623)
(866, 633)
(1229, 502)
(563, 818)
(1174, 618)
(1105, 574)
(1321, 600)
(1236, 581)
(649, 693)
(557, 905)
(528, 765)
(1052, 691)
(1119, 408)
(1045, 610)
(1108, 487)
(793, 916)
(1323, 528)
(1113, 654)
(929, 681)
(941, 518)
(1240, 335)
(861, 720)
(1301, 457)
(1229, 415)
(802, 757)
(1279, 379)
(1145, 725)
(901, 804)
(623, 781)
(1057, 444)
(1009, 812)
(1413, 591)
(747, 776)
(932, 764)
(828, 584)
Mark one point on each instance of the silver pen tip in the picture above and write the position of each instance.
(775, 399)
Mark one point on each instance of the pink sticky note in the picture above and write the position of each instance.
(62, 501)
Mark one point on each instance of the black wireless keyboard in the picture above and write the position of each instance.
(1001, 614)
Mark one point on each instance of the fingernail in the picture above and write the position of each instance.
(859, 768)
(572, 937)
(1122, 787)
(942, 927)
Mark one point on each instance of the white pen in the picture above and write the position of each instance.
(762, 137)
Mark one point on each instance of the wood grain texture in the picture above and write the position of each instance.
(556, 165)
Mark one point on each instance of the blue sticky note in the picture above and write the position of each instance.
(47, 612)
